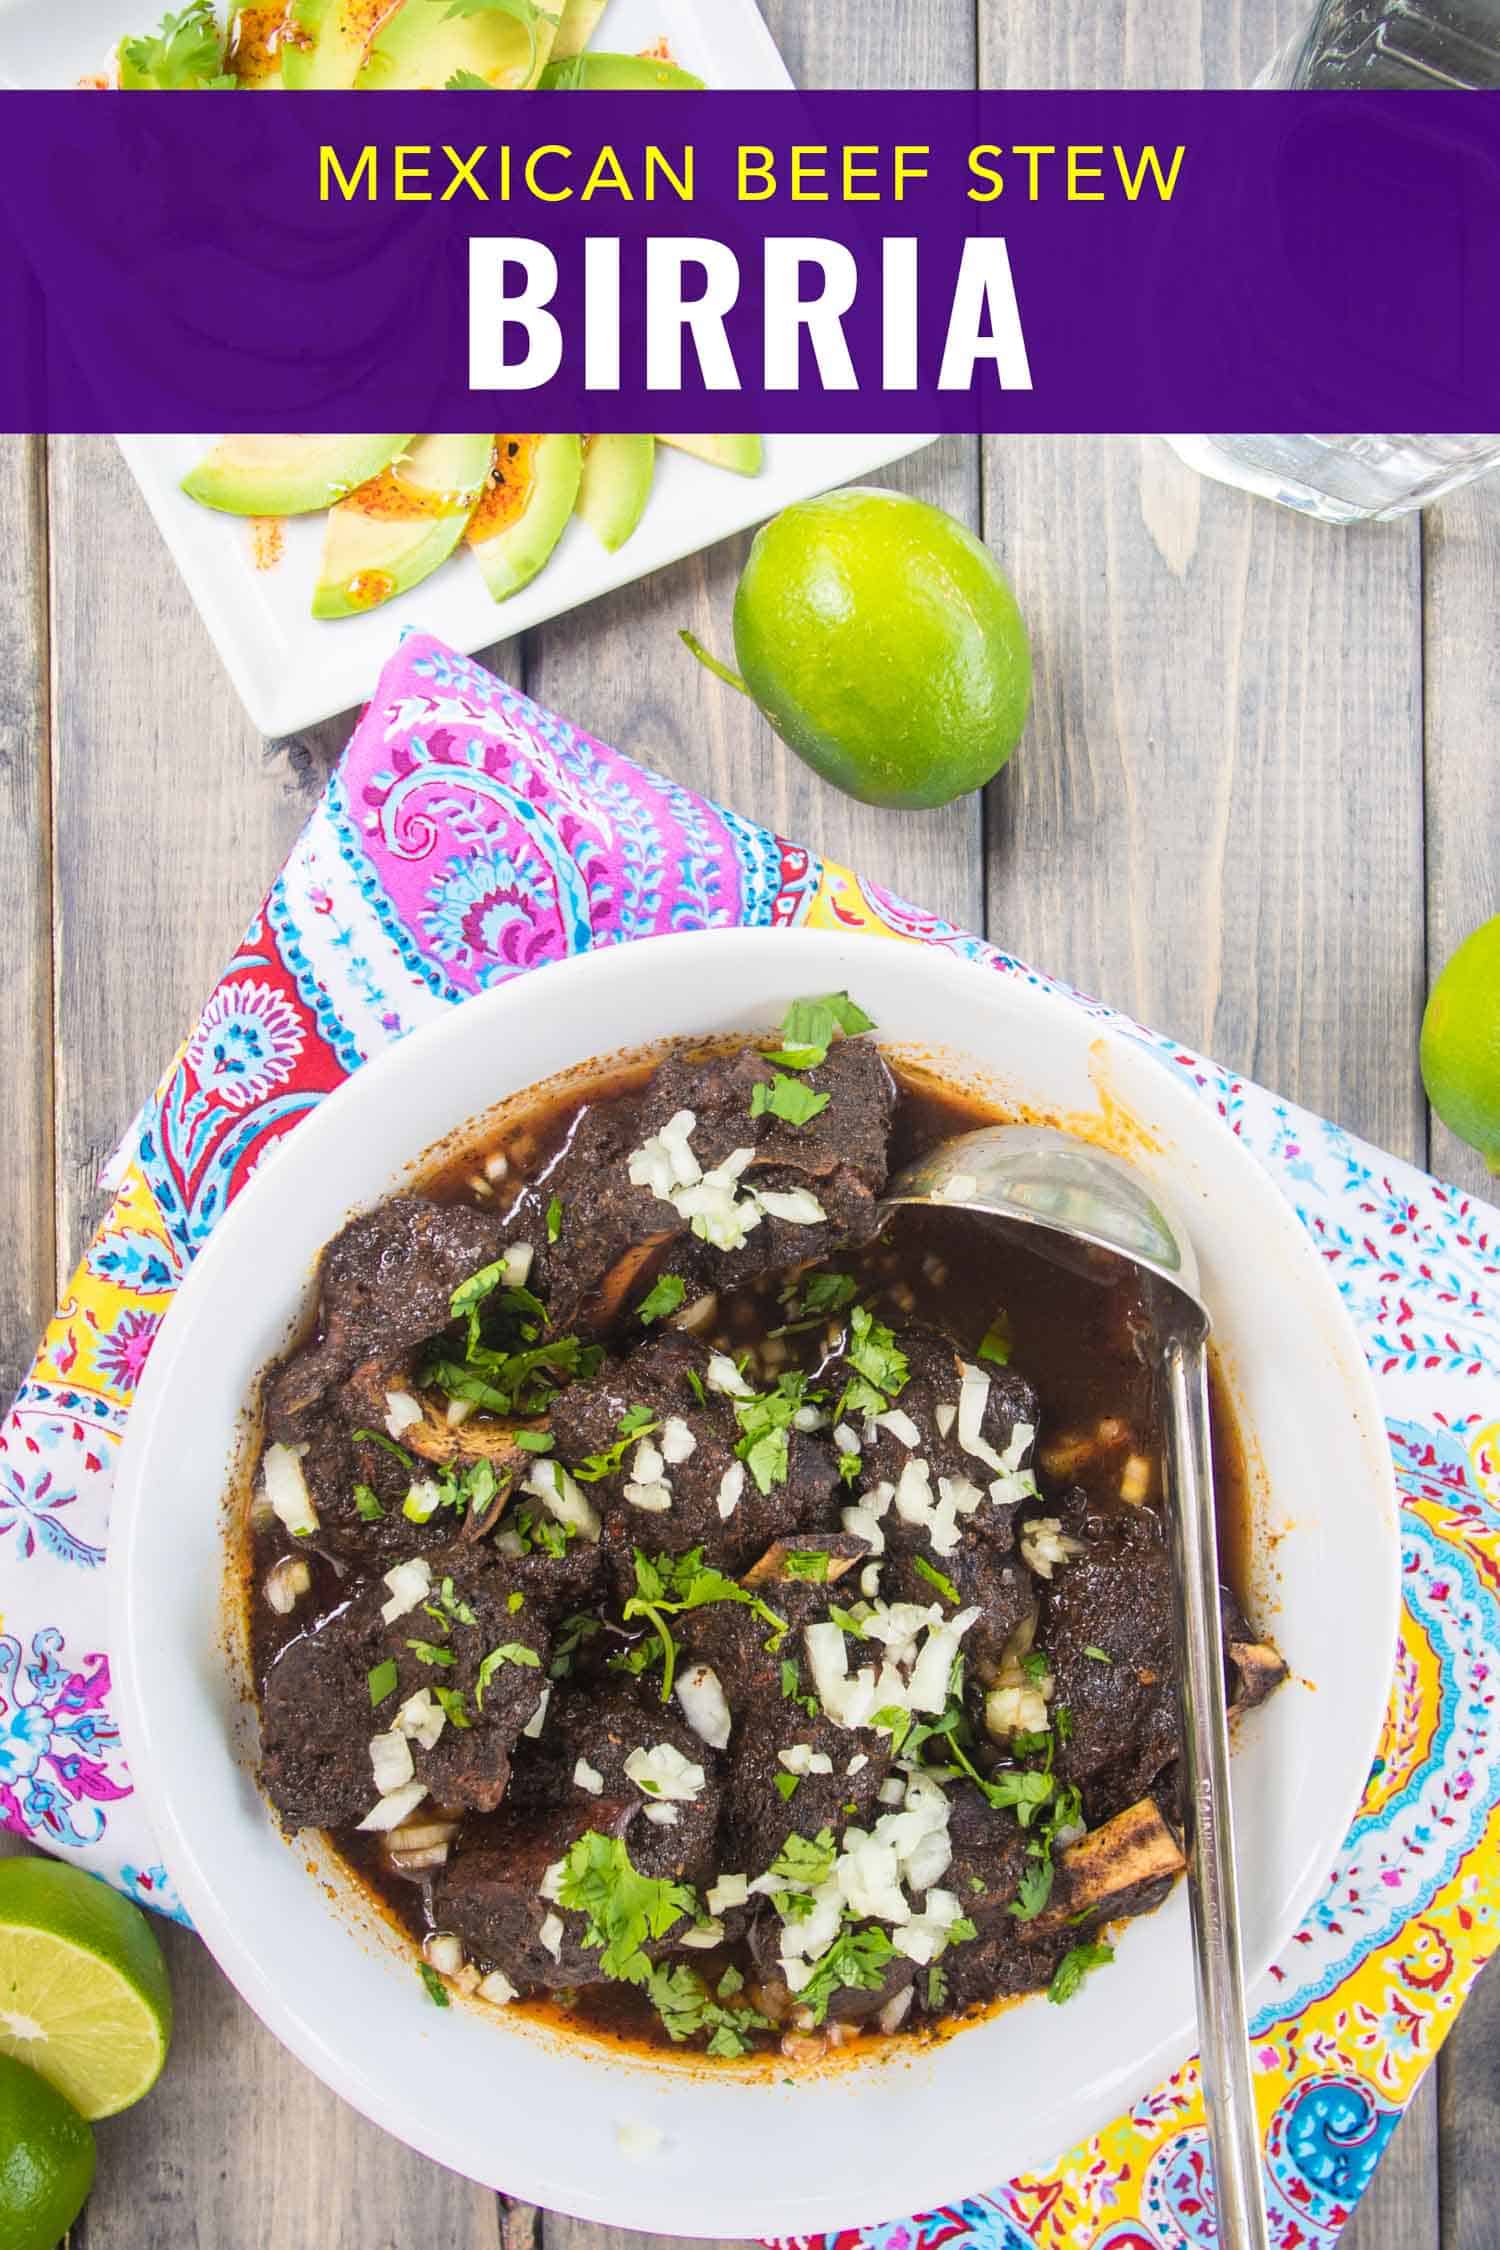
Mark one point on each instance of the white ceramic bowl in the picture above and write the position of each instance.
(515, 2106)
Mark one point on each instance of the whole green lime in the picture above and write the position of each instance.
(46, 2160)
(1461, 1043)
(84, 1997)
(881, 640)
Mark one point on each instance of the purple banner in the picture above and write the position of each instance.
(1034, 261)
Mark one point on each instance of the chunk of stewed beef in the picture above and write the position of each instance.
(499, 1893)
(1106, 1630)
(681, 1484)
(384, 1287)
(617, 1234)
(457, 1668)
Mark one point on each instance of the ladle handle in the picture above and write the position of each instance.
(1228, 2091)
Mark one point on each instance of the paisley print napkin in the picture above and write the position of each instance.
(469, 836)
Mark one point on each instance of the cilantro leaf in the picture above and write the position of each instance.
(382, 1679)
(1074, 1967)
(186, 51)
(856, 1961)
(367, 1504)
(788, 1099)
(593, 1466)
(467, 82)
(806, 1861)
(809, 1563)
(427, 1652)
(872, 1351)
(624, 1910)
(995, 1343)
(687, 2007)
(454, 1708)
(668, 1586)
(1034, 1890)
(765, 1422)
(470, 1294)
(554, 1208)
(828, 1293)
(808, 1027)
(663, 1297)
(437, 1991)
(788, 1784)
(935, 1579)
(1098, 1655)
(509, 1652)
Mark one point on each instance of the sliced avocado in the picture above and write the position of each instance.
(576, 25)
(322, 41)
(398, 527)
(420, 43)
(532, 492)
(617, 475)
(617, 74)
(287, 476)
(744, 455)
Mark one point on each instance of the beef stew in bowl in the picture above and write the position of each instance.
(709, 1615)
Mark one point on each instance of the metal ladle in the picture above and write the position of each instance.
(1065, 1192)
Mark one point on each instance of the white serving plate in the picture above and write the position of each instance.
(291, 669)
(523, 2109)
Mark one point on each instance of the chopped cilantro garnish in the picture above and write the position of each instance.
(471, 1294)
(534, 1441)
(937, 1987)
(367, 1504)
(828, 1293)
(806, 1861)
(571, 1635)
(454, 1707)
(388, 1445)
(427, 1652)
(467, 82)
(1035, 1888)
(788, 1099)
(935, 1578)
(382, 1678)
(961, 1931)
(455, 1605)
(1098, 1655)
(765, 1424)
(670, 1584)
(1074, 1967)
(791, 1681)
(787, 1784)
(995, 1344)
(807, 1562)
(554, 1218)
(856, 1961)
(1034, 1664)
(892, 1720)
(509, 1652)
(873, 1353)
(637, 1423)
(1029, 1742)
(624, 1911)
(695, 1385)
(514, 1601)
(730, 1983)
(808, 1027)
(687, 2008)
(849, 1467)
(663, 1297)
(437, 1991)
(187, 51)
(847, 1620)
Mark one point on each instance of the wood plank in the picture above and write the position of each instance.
(26, 1296)
(170, 822)
(1462, 558)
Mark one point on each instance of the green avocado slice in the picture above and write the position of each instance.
(395, 530)
(617, 74)
(576, 26)
(618, 471)
(322, 41)
(287, 476)
(421, 43)
(744, 455)
(532, 492)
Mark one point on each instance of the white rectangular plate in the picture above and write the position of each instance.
(292, 669)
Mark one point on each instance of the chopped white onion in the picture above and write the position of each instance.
(553, 1878)
(651, 1499)
(410, 1583)
(1044, 1545)
(945, 1415)
(728, 1891)
(893, 2015)
(892, 1790)
(550, 1935)
(869, 1581)
(401, 1411)
(286, 1582)
(515, 1266)
(677, 1443)
(497, 1989)
(973, 1397)
(857, 1763)
(445, 1952)
(703, 1935)
(390, 1762)
(423, 1500)
(538, 1719)
(731, 1489)
(865, 1526)
(933, 1668)
(459, 1410)
(496, 1165)
(802, 1758)
(704, 1704)
(391, 1811)
(649, 1463)
(664, 1816)
(588, 1777)
(663, 1773)
(666, 1161)
(807, 1418)
(724, 1376)
(902, 1428)
(286, 1490)
(1008, 1710)
(844, 1438)
(548, 1481)
(422, 1718)
(799, 1206)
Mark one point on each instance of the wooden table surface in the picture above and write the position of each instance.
(1257, 806)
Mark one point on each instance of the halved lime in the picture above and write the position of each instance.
(84, 1997)
(46, 2160)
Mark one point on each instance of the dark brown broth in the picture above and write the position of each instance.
(1073, 1337)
